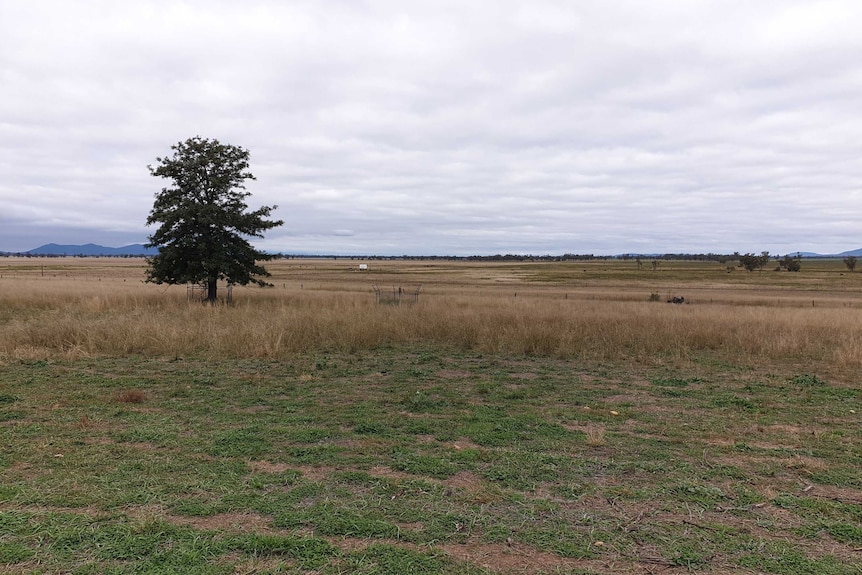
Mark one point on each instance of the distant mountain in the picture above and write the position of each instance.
(841, 255)
(92, 250)
(140, 250)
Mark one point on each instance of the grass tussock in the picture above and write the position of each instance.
(595, 434)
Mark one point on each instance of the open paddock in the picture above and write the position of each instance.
(599, 309)
(535, 417)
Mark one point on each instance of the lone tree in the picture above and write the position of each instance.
(850, 262)
(752, 262)
(204, 218)
(791, 263)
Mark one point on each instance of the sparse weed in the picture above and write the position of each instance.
(595, 434)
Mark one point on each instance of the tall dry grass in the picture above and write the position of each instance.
(62, 318)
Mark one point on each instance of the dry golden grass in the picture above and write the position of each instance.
(595, 433)
(595, 310)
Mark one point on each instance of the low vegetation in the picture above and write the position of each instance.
(542, 310)
(517, 418)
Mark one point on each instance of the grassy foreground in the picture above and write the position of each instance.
(717, 452)
(400, 462)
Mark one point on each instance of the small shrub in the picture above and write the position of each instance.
(807, 380)
(688, 556)
(420, 401)
(654, 297)
(131, 396)
(595, 434)
(731, 400)
(669, 382)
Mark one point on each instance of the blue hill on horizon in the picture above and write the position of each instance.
(92, 250)
(856, 253)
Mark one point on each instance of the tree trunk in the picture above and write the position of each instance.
(212, 290)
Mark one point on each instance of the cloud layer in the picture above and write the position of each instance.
(481, 127)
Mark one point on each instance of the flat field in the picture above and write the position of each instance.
(528, 417)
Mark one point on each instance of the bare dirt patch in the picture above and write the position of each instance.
(624, 398)
(464, 443)
(804, 464)
(315, 473)
(229, 522)
(472, 487)
(845, 495)
(466, 480)
(256, 564)
(268, 467)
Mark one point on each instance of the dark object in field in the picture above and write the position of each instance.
(676, 299)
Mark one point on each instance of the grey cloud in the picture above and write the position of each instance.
(448, 127)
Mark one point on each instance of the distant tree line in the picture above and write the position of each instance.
(748, 261)
(29, 255)
(490, 258)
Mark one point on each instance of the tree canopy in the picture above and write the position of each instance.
(791, 263)
(752, 262)
(204, 219)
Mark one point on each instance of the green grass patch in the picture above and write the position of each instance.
(400, 453)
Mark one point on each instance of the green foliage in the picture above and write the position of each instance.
(245, 442)
(370, 428)
(688, 555)
(807, 380)
(850, 262)
(418, 464)
(784, 559)
(14, 553)
(309, 552)
(704, 495)
(792, 263)
(390, 560)
(204, 220)
(732, 400)
(753, 262)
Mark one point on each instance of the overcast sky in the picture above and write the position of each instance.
(449, 128)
